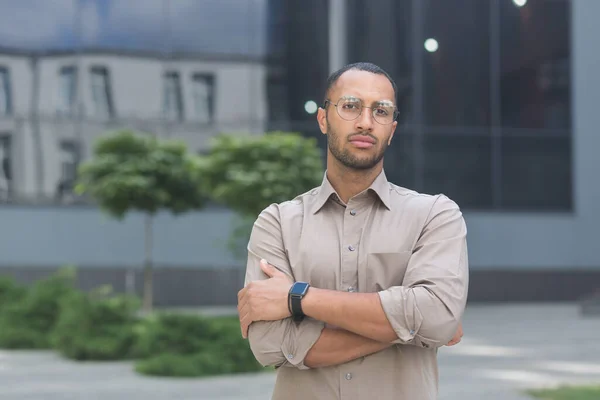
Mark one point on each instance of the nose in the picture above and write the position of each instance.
(365, 121)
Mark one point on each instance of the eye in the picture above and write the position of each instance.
(382, 111)
(350, 105)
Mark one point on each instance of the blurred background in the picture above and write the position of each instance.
(498, 105)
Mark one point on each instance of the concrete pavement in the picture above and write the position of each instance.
(506, 349)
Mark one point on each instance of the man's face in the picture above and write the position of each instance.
(359, 143)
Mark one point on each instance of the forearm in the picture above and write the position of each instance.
(360, 313)
(338, 346)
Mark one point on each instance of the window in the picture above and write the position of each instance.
(456, 60)
(67, 90)
(459, 166)
(69, 158)
(5, 168)
(382, 34)
(101, 93)
(203, 93)
(278, 100)
(496, 104)
(535, 106)
(172, 97)
(534, 71)
(5, 92)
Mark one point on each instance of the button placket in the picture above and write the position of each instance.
(350, 255)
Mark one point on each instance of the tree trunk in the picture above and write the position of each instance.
(148, 286)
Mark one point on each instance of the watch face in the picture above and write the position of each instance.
(299, 288)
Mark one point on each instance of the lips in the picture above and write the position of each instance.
(362, 141)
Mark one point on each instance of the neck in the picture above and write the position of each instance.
(349, 182)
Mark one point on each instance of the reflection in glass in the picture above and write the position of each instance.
(216, 26)
(382, 35)
(536, 173)
(138, 25)
(399, 160)
(37, 24)
(535, 73)
(459, 167)
(457, 74)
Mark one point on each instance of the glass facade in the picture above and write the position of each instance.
(484, 93)
(484, 86)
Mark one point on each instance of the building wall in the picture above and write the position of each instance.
(513, 256)
(569, 240)
(136, 84)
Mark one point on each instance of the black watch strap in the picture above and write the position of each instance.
(296, 294)
(296, 303)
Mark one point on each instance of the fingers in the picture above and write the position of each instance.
(457, 336)
(270, 270)
(245, 322)
(242, 295)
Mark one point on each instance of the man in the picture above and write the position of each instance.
(353, 286)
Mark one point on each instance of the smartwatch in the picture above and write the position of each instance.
(295, 296)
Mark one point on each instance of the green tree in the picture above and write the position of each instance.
(137, 172)
(247, 173)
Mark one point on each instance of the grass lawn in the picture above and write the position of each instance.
(567, 393)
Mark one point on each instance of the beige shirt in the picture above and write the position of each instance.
(408, 247)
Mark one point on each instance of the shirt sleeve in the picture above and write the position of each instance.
(284, 342)
(426, 309)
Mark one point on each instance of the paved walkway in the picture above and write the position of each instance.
(505, 349)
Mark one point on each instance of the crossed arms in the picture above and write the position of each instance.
(424, 311)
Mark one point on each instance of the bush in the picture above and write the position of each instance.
(96, 326)
(10, 292)
(103, 326)
(194, 365)
(191, 345)
(173, 334)
(28, 322)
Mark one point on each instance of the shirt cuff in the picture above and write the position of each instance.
(404, 317)
(299, 339)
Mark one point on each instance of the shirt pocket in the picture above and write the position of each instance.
(386, 269)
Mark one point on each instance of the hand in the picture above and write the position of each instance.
(457, 336)
(265, 300)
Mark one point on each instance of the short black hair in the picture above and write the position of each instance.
(358, 66)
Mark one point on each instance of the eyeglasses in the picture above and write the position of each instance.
(350, 108)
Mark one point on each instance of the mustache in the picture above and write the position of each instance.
(362, 134)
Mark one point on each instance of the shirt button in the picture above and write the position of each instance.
(290, 356)
(412, 332)
(348, 376)
(351, 248)
(352, 212)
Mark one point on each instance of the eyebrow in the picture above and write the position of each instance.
(377, 102)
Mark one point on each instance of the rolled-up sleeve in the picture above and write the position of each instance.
(426, 309)
(282, 343)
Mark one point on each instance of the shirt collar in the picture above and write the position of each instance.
(380, 186)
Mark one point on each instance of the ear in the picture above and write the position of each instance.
(322, 119)
(394, 125)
